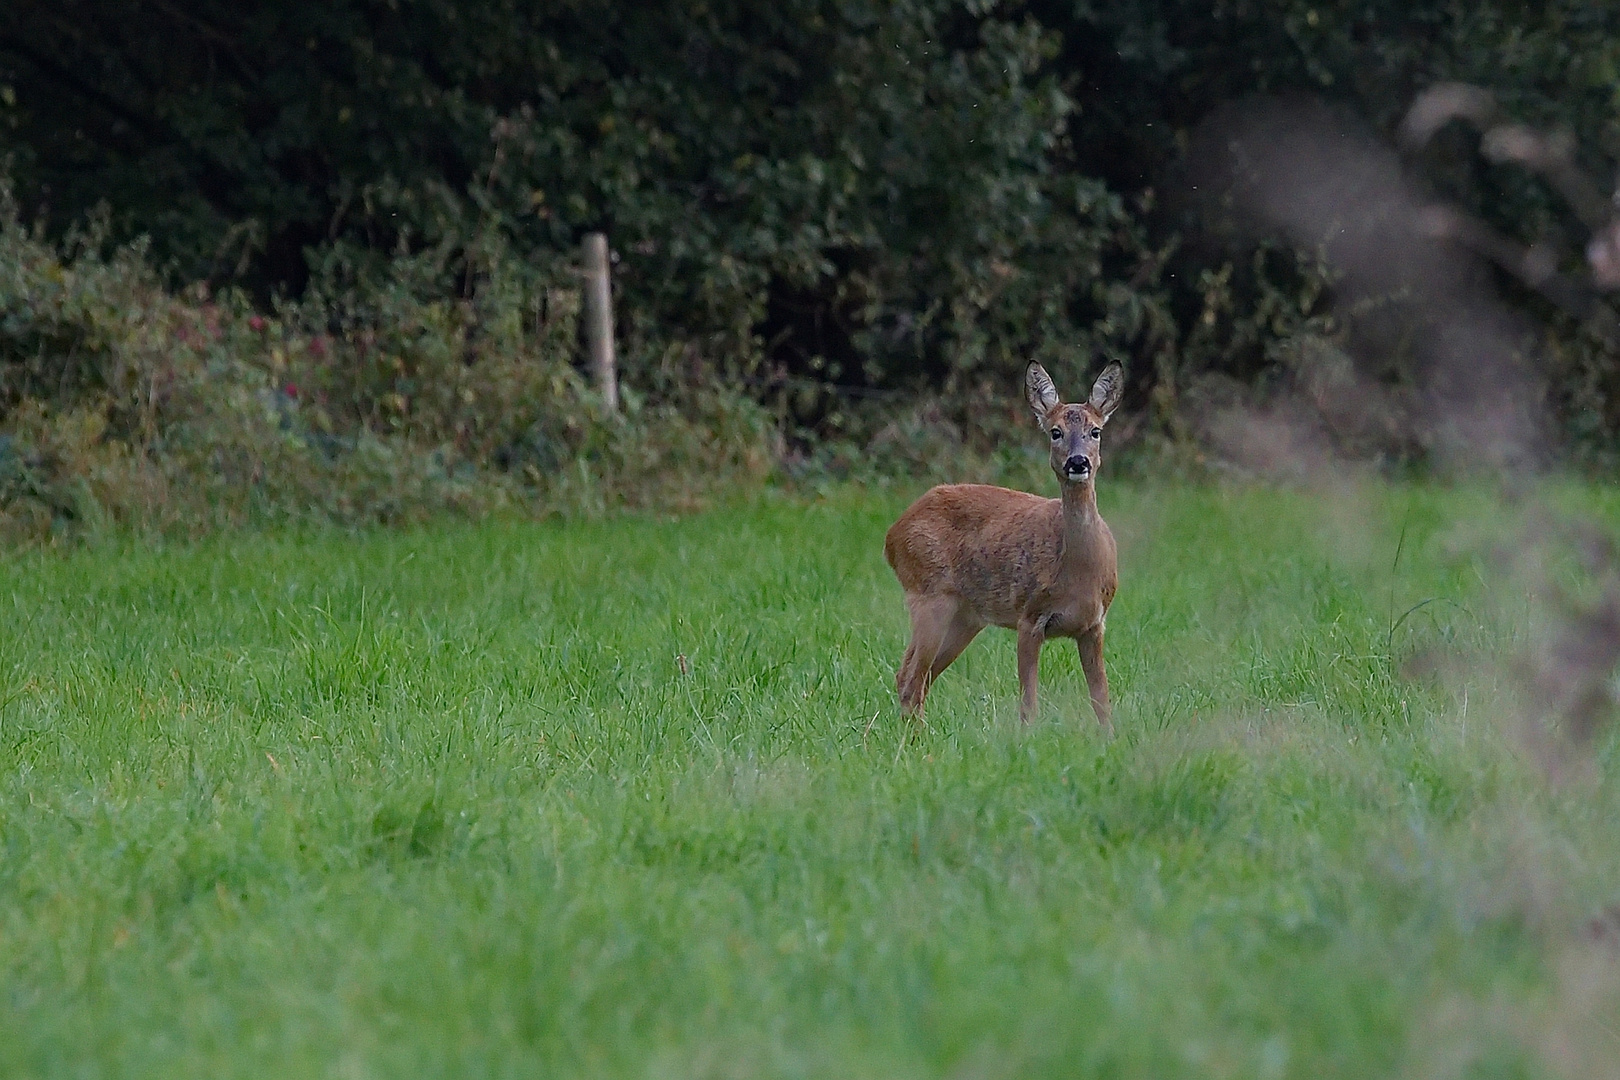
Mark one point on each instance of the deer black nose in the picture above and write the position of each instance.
(1077, 465)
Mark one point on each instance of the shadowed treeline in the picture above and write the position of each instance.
(808, 195)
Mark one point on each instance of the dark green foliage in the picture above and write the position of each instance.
(862, 191)
(802, 195)
(1143, 73)
(377, 398)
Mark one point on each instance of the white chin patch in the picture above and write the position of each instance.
(1078, 474)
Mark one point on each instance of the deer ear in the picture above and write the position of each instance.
(1040, 391)
(1107, 390)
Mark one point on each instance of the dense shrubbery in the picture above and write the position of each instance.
(852, 192)
(825, 206)
(366, 401)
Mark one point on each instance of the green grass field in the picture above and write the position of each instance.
(444, 803)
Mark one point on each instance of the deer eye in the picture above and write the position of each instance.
(1057, 433)
(1096, 433)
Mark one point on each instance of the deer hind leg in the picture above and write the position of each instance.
(1091, 659)
(932, 618)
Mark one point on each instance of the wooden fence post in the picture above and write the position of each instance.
(599, 319)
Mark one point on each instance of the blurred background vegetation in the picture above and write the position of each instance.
(297, 259)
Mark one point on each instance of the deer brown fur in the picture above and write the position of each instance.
(970, 556)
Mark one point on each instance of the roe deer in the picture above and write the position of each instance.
(970, 556)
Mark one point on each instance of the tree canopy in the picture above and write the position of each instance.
(910, 191)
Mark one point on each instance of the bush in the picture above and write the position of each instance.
(812, 202)
(374, 399)
(858, 194)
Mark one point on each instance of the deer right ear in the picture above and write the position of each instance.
(1040, 391)
(1107, 390)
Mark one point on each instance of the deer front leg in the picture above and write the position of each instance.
(1091, 659)
(1030, 638)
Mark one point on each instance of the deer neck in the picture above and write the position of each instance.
(1080, 521)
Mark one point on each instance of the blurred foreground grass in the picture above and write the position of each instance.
(629, 798)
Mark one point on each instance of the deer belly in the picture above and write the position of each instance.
(1000, 588)
(987, 611)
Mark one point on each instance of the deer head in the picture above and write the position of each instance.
(1075, 431)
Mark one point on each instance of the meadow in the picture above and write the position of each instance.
(630, 797)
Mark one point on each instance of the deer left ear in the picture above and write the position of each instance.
(1039, 390)
(1107, 390)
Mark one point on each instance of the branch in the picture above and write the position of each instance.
(1535, 266)
(1553, 156)
(1442, 103)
